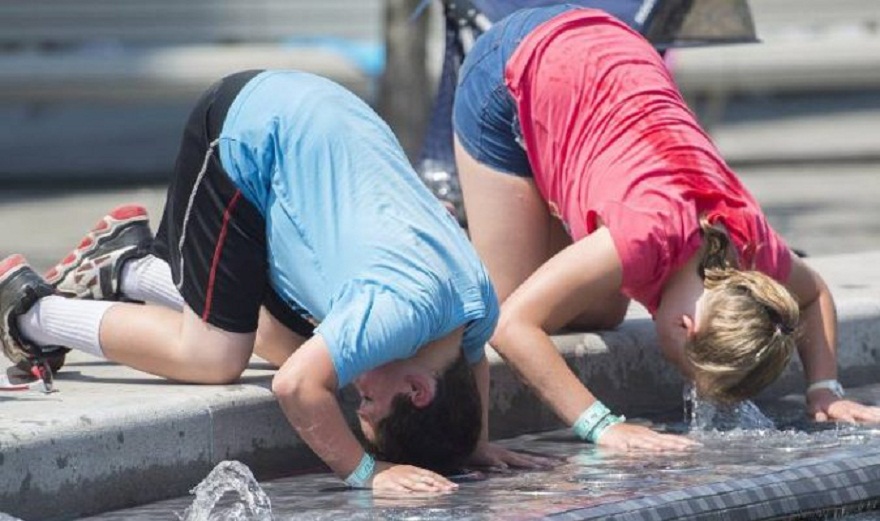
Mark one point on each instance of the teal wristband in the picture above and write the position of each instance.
(589, 419)
(363, 472)
(603, 425)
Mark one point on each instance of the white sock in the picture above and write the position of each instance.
(59, 321)
(149, 279)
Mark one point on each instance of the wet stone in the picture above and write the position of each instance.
(795, 470)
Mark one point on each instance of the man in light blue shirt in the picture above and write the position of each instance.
(292, 206)
(353, 237)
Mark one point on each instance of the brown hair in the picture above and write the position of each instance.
(749, 325)
(440, 436)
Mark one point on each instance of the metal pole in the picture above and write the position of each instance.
(405, 93)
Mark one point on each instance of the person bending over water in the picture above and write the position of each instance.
(292, 205)
(587, 182)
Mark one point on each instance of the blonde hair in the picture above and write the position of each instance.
(749, 327)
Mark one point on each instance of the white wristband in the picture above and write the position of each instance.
(832, 385)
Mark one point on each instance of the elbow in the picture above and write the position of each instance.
(502, 331)
(287, 384)
(509, 327)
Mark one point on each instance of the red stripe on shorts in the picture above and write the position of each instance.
(215, 262)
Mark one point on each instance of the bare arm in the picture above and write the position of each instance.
(817, 346)
(481, 375)
(550, 298)
(306, 389)
(490, 455)
(818, 335)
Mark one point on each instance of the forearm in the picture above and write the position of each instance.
(305, 388)
(818, 337)
(318, 420)
(817, 352)
(532, 355)
(482, 376)
(549, 299)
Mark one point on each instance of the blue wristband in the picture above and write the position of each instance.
(363, 472)
(595, 421)
(589, 419)
(603, 425)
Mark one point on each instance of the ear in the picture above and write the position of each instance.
(422, 389)
(690, 327)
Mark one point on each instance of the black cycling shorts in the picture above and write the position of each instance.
(211, 236)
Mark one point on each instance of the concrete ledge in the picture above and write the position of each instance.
(114, 437)
(797, 139)
(798, 65)
(801, 15)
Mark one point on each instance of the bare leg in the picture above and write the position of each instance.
(275, 342)
(179, 346)
(515, 234)
(508, 222)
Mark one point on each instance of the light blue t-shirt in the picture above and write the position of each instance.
(354, 238)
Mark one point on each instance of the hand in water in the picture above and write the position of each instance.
(497, 457)
(826, 406)
(626, 436)
(407, 478)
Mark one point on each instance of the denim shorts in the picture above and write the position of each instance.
(484, 113)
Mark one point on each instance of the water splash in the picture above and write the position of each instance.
(704, 415)
(229, 476)
(720, 417)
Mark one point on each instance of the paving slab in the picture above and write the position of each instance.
(113, 437)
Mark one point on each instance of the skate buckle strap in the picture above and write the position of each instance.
(41, 371)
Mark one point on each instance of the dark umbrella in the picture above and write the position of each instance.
(686, 23)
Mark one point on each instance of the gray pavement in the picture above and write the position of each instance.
(45, 225)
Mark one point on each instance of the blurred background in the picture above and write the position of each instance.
(94, 95)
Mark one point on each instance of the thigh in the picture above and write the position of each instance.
(282, 328)
(275, 342)
(228, 352)
(601, 312)
(508, 222)
(176, 345)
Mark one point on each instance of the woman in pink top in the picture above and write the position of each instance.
(587, 183)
